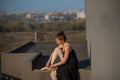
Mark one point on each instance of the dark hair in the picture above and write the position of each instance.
(61, 36)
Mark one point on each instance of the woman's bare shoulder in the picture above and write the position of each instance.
(67, 46)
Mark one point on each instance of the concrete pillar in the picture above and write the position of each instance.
(103, 29)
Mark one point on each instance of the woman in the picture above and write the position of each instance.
(68, 66)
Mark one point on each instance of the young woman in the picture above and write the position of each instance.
(67, 68)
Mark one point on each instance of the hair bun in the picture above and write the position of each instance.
(61, 36)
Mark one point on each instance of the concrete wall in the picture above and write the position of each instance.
(22, 65)
(12, 63)
(19, 65)
(103, 29)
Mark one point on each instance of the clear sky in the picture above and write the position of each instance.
(40, 5)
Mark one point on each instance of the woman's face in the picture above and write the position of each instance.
(58, 41)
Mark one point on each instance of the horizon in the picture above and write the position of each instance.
(40, 11)
(41, 6)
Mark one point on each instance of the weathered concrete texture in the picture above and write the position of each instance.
(102, 31)
(22, 65)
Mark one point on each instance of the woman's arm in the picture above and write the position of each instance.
(65, 58)
(49, 60)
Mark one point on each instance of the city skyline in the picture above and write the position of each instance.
(40, 6)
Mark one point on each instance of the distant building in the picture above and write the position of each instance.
(46, 17)
(29, 16)
(80, 15)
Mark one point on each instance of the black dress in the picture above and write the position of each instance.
(69, 71)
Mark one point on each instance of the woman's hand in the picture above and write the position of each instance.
(52, 66)
(47, 64)
(60, 46)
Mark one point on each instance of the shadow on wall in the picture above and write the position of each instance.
(84, 63)
(40, 61)
(22, 48)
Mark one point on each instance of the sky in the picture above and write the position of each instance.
(40, 5)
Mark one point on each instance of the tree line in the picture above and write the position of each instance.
(19, 26)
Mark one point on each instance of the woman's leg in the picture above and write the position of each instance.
(53, 75)
(57, 52)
